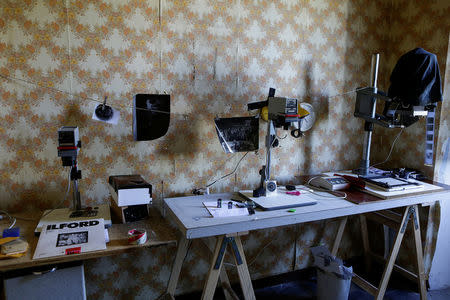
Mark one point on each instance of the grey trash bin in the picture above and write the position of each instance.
(333, 278)
(332, 286)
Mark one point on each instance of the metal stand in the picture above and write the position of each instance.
(368, 126)
(78, 211)
(270, 137)
(265, 170)
(75, 174)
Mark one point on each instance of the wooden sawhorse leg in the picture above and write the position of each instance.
(337, 240)
(224, 281)
(217, 264)
(419, 253)
(182, 249)
(365, 240)
(411, 212)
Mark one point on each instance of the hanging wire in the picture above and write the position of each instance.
(349, 92)
(11, 78)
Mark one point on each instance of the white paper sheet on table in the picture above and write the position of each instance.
(224, 211)
(84, 236)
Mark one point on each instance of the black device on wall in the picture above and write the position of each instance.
(151, 116)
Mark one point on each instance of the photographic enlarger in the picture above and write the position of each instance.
(69, 145)
(413, 93)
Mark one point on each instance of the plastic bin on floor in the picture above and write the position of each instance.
(333, 278)
(332, 286)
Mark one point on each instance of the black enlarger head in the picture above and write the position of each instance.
(69, 144)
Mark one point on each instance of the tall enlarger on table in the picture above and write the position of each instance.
(285, 113)
(415, 89)
(413, 93)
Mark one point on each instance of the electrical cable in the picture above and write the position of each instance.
(390, 151)
(260, 252)
(280, 138)
(65, 196)
(229, 264)
(137, 108)
(25, 219)
(337, 194)
(218, 168)
(79, 96)
(349, 92)
(12, 220)
(256, 256)
(224, 176)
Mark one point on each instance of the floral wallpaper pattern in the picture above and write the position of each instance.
(58, 58)
(426, 25)
(413, 27)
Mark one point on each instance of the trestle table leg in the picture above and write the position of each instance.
(183, 246)
(215, 268)
(394, 252)
(337, 240)
(242, 268)
(419, 253)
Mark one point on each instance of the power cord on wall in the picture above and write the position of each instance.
(65, 196)
(198, 191)
(390, 151)
(231, 173)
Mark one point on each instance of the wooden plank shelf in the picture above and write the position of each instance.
(158, 230)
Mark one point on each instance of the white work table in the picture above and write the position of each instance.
(194, 221)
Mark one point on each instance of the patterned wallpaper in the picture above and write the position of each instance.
(212, 57)
(417, 24)
(426, 25)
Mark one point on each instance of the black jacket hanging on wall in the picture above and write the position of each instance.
(416, 79)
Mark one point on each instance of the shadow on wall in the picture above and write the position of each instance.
(183, 137)
(308, 161)
(74, 116)
(323, 106)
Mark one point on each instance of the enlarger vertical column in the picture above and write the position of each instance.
(368, 126)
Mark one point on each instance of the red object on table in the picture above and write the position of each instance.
(75, 250)
(295, 193)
